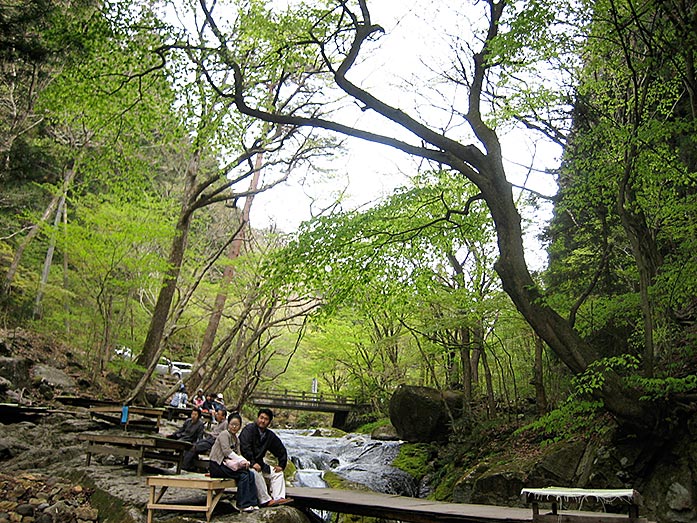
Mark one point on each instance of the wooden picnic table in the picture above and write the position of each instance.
(214, 487)
(556, 495)
(142, 418)
(139, 447)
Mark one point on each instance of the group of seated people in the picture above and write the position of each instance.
(240, 458)
(208, 403)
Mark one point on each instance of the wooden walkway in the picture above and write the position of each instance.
(417, 510)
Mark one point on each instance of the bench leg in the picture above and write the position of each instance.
(152, 502)
(212, 498)
(634, 511)
(180, 462)
(162, 493)
(140, 462)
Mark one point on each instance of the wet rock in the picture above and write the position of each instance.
(678, 498)
(559, 465)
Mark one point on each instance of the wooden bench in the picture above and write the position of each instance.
(214, 487)
(138, 447)
(556, 495)
(130, 416)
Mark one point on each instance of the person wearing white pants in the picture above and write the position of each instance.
(256, 439)
(270, 487)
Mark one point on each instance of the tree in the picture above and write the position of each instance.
(481, 162)
(627, 182)
(216, 129)
(413, 277)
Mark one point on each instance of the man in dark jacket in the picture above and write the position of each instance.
(192, 430)
(205, 444)
(256, 439)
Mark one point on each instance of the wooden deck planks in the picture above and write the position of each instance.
(421, 510)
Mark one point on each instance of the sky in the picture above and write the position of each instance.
(414, 48)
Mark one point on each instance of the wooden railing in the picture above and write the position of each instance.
(305, 401)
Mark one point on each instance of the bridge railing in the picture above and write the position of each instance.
(319, 397)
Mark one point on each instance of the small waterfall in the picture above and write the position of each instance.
(354, 457)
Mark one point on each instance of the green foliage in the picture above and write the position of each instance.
(573, 418)
(367, 428)
(445, 479)
(664, 388)
(593, 379)
(578, 415)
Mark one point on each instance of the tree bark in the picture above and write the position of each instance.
(34, 229)
(228, 274)
(538, 378)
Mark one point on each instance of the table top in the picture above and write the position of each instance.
(133, 409)
(191, 481)
(565, 493)
(136, 441)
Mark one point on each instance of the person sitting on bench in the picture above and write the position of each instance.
(205, 444)
(192, 430)
(256, 439)
(226, 462)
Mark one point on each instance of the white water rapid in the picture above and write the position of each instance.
(355, 457)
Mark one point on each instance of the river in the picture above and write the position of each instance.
(354, 457)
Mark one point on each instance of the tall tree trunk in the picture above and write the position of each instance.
(66, 281)
(466, 363)
(48, 260)
(151, 348)
(490, 398)
(538, 381)
(221, 298)
(645, 253)
(34, 229)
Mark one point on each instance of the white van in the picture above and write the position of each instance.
(179, 369)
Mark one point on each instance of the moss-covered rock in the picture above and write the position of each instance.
(414, 459)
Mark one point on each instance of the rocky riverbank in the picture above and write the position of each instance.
(46, 480)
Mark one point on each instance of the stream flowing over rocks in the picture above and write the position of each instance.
(354, 457)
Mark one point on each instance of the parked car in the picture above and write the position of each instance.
(179, 369)
(163, 366)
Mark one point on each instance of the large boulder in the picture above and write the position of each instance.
(423, 414)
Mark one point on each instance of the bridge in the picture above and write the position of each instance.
(340, 406)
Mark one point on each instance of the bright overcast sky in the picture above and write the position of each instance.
(413, 29)
(370, 171)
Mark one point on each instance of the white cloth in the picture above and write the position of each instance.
(565, 493)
